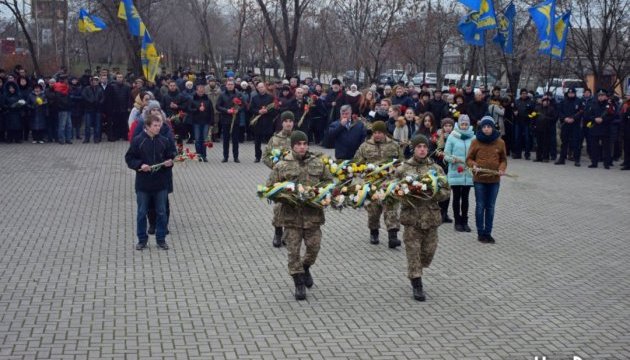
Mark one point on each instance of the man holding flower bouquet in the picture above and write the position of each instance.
(421, 216)
(229, 105)
(301, 222)
(151, 155)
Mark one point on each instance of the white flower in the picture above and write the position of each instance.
(371, 166)
(424, 187)
(409, 178)
(291, 186)
(415, 183)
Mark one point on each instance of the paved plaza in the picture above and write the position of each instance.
(556, 284)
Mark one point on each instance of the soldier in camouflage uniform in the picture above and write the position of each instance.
(280, 140)
(421, 218)
(376, 150)
(300, 222)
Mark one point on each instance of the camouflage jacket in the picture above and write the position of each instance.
(308, 171)
(423, 214)
(373, 152)
(277, 141)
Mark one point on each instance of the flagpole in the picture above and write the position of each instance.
(549, 74)
(87, 51)
(485, 63)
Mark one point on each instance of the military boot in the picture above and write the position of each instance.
(308, 279)
(277, 238)
(300, 290)
(418, 294)
(374, 237)
(393, 239)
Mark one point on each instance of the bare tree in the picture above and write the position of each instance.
(201, 11)
(291, 12)
(599, 39)
(20, 17)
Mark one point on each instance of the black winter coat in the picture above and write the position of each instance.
(150, 150)
(195, 106)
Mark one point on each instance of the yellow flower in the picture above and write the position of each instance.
(341, 177)
(589, 124)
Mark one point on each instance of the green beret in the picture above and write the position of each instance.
(419, 139)
(287, 115)
(298, 136)
(379, 126)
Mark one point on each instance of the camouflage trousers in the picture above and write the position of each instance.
(391, 215)
(420, 246)
(276, 213)
(293, 237)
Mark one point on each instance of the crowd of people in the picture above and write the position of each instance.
(63, 108)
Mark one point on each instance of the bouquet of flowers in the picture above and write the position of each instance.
(178, 118)
(277, 154)
(236, 106)
(310, 102)
(412, 187)
(274, 105)
(452, 108)
(294, 194)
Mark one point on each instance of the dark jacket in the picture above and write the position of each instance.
(116, 98)
(439, 109)
(92, 98)
(339, 99)
(195, 106)
(38, 111)
(572, 108)
(13, 108)
(604, 109)
(524, 108)
(150, 151)
(346, 140)
(176, 98)
(225, 103)
(546, 118)
(476, 110)
(76, 100)
(264, 125)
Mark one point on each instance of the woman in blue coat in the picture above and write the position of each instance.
(38, 106)
(455, 152)
(14, 106)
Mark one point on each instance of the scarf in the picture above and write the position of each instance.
(488, 139)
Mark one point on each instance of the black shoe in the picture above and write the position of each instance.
(237, 160)
(162, 245)
(526, 157)
(418, 294)
(490, 239)
(374, 237)
(545, 160)
(446, 219)
(86, 141)
(577, 164)
(151, 230)
(626, 167)
(592, 166)
(190, 141)
(607, 167)
(393, 241)
(536, 160)
(466, 227)
(459, 227)
(516, 157)
(300, 290)
(559, 162)
(482, 238)
(257, 160)
(141, 246)
(277, 238)
(224, 160)
(308, 278)
(68, 142)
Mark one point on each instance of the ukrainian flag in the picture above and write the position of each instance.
(150, 58)
(127, 11)
(560, 33)
(90, 23)
(543, 15)
(471, 33)
(505, 29)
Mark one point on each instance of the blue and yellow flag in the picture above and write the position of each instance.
(543, 15)
(150, 58)
(505, 29)
(127, 11)
(90, 23)
(468, 28)
(560, 33)
(485, 9)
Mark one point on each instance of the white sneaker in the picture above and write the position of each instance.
(34, 142)
(40, 142)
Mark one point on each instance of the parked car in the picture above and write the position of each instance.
(386, 79)
(428, 78)
(560, 86)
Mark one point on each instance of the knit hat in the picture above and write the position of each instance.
(336, 82)
(298, 136)
(486, 120)
(447, 121)
(463, 118)
(153, 104)
(419, 139)
(379, 126)
(287, 115)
